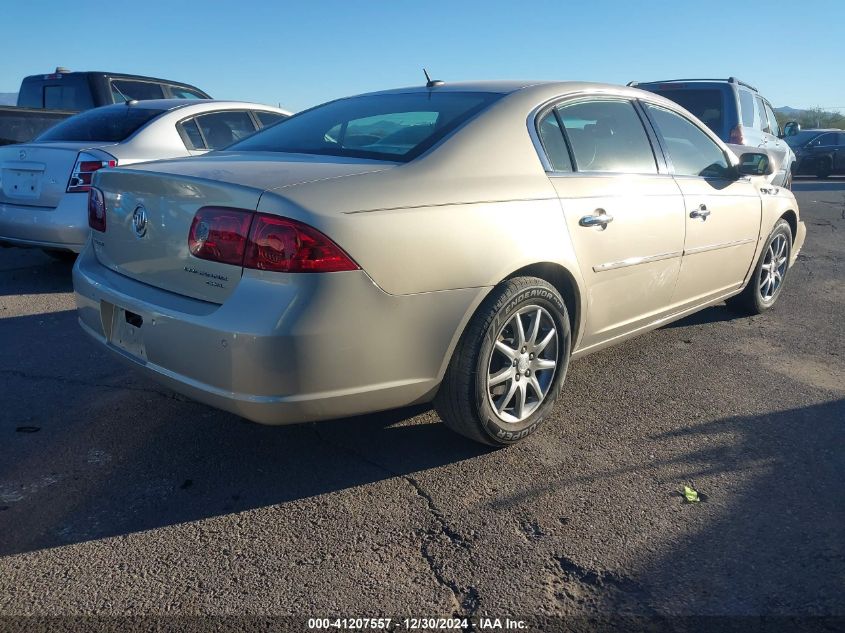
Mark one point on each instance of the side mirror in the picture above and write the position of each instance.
(754, 164)
(791, 128)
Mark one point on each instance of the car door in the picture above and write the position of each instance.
(624, 217)
(723, 213)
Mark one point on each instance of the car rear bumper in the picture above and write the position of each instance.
(282, 348)
(64, 227)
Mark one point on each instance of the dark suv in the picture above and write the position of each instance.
(819, 152)
(736, 112)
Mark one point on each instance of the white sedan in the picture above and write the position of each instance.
(44, 183)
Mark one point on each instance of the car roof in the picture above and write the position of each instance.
(202, 104)
(505, 87)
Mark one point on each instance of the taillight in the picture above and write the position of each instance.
(736, 136)
(83, 172)
(264, 242)
(96, 210)
(219, 234)
(288, 246)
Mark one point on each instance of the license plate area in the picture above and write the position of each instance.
(127, 330)
(22, 183)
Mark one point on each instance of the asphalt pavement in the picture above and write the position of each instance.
(119, 497)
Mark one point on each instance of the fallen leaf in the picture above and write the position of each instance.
(691, 495)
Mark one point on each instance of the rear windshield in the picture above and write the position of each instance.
(109, 124)
(704, 104)
(395, 127)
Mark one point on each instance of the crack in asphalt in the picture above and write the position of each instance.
(465, 600)
(16, 373)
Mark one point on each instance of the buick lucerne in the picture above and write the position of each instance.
(453, 243)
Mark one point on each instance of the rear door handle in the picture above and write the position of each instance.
(600, 219)
(700, 212)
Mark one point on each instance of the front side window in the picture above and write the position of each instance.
(108, 124)
(551, 136)
(124, 89)
(826, 140)
(691, 151)
(395, 127)
(607, 136)
(221, 129)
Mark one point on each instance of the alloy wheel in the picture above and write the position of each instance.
(774, 268)
(522, 364)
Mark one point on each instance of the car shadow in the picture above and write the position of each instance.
(27, 271)
(92, 449)
(713, 314)
(762, 547)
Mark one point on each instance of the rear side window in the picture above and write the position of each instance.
(109, 124)
(761, 114)
(607, 136)
(551, 136)
(221, 129)
(746, 108)
(190, 133)
(692, 152)
(123, 89)
(706, 104)
(266, 119)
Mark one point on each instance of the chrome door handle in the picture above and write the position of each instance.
(602, 219)
(700, 212)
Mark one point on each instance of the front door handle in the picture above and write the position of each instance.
(700, 212)
(601, 219)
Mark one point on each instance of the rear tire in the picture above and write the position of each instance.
(769, 274)
(509, 365)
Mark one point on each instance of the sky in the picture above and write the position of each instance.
(299, 54)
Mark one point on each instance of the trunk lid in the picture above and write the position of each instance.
(170, 192)
(37, 174)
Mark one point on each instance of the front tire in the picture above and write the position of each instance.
(769, 274)
(823, 168)
(509, 365)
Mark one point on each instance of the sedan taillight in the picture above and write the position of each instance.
(264, 242)
(96, 210)
(83, 172)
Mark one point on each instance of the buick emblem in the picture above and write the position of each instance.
(22, 155)
(139, 221)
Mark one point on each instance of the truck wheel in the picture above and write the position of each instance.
(509, 365)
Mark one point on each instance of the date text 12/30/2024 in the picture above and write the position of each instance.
(417, 624)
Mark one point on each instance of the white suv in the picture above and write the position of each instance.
(736, 112)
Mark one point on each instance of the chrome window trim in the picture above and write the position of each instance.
(714, 247)
(636, 261)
